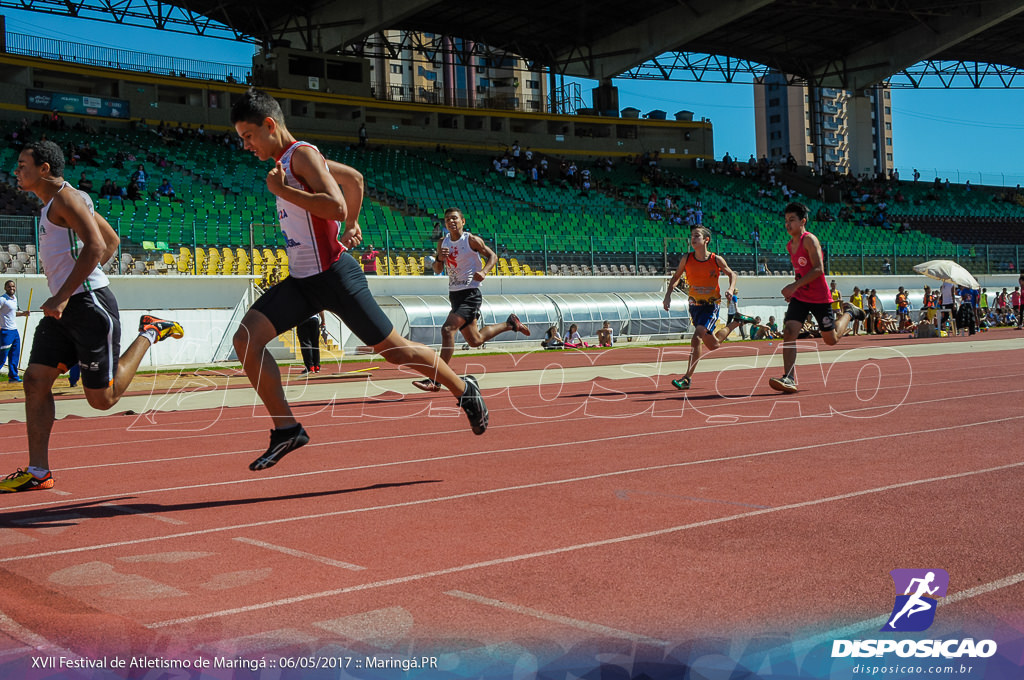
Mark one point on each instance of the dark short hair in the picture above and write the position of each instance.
(45, 151)
(255, 106)
(9, 281)
(798, 209)
(454, 210)
(704, 231)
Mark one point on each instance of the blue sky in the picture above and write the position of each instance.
(959, 134)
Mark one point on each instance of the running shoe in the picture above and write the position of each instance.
(783, 384)
(164, 329)
(517, 325)
(682, 384)
(427, 385)
(854, 311)
(14, 380)
(23, 480)
(743, 318)
(282, 442)
(472, 402)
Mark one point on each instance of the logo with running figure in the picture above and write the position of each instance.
(917, 594)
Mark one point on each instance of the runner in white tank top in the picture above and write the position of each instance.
(80, 321)
(459, 254)
(324, 277)
(311, 241)
(59, 248)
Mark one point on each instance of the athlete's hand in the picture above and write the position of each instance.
(788, 291)
(479, 276)
(275, 179)
(667, 302)
(352, 236)
(54, 308)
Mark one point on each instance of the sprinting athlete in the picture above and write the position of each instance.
(459, 253)
(702, 269)
(809, 294)
(80, 319)
(323, 275)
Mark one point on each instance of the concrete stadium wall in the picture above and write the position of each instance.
(205, 304)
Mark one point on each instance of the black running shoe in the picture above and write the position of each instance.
(472, 402)
(282, 442)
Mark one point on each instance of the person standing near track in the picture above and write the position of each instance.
(458, 253)
(80, 321)
(809, 294)
(323, 275)
(10, 339)
(702, 270)
(308, 335)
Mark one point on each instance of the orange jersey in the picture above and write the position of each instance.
(702, 278)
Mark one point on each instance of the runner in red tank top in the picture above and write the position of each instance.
(809, 294)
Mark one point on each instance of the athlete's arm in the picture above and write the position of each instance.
(351, 182)
(477, 244)
(322, 198)
(680, 270)
(110, 238)
(439, 259)
(724, 267)
(68, 210)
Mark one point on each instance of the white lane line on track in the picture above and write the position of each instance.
(729, 402)
(25, 636)
(588, 626)
(298, 553)
(566, 549)
(414, 461)
(537, 485)
(128, 510)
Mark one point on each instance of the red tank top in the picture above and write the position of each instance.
(817, 290)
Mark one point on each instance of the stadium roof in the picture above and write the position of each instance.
(849, 44)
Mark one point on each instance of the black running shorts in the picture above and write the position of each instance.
(822, 311)
(88, 333)
(341, 289)
(466, 303)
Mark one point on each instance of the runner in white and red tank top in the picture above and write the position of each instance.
(323, 277)
(459, 254)
(809, 294)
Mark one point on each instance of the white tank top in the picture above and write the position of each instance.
(462, 263)
(312, 242)
(59, 248)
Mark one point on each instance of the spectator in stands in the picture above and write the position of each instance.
(886, 266)
(165, 189)
(85, 184)
(362, 136)
(133, 192)
(369, 260)
(108, 190)
(762, 268)
(140, 177)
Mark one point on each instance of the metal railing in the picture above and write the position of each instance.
(143, 247)
(124, 60)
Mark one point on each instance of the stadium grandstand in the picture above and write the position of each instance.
(599, 193)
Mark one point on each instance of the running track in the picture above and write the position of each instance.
(595, 514)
